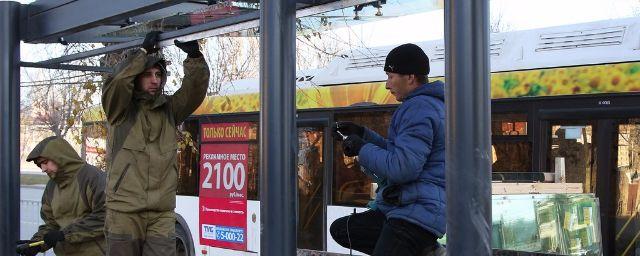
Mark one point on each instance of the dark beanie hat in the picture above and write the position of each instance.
(407, 59)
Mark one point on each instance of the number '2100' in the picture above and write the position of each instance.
(231, 176)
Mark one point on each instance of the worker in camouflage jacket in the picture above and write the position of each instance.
(142, 147)
(73, 208)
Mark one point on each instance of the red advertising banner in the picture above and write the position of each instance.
(223, 195)
(221, 132)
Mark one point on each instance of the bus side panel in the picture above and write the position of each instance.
(188, 206)
(333, 213)
(214, 251)
(253, 226)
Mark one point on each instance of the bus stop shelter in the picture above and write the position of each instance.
(87, 21)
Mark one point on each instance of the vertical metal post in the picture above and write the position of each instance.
(9, 126)
(606, 136)
(278, 141)
(468, 155)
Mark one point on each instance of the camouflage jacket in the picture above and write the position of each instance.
(141, 141)
(73, 201)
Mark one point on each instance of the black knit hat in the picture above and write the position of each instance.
(407, 59)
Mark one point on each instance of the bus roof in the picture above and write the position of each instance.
(597, 42)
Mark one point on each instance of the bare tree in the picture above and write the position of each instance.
(27, 133)
(314, 52)
(315, 49)
(58, 107)
(231, 58)
(56, 99)
(497, 23)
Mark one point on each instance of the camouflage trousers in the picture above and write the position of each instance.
(142, 233)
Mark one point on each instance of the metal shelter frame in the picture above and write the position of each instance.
(468, 103)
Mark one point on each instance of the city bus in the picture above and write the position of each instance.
(565, 139)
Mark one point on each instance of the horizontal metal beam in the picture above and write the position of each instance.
(91, 53)
(79, 15)
(97, 35)
(41, 6)
(67, 67)
(214, 28)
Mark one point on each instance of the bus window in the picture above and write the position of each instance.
(509, 124)
(253, 162)
(188, 157)
(628, 180)
(570, 155)
(512, 156)
(310, 183)
(512, 150)
(350, 185)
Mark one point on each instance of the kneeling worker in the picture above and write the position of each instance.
(408, 214)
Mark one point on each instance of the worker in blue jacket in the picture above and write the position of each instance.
(408, 214)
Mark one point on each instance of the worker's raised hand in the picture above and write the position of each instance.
(150, 43)
(341, 130)
(352, 144)
(191, 48)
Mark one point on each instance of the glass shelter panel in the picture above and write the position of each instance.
(566, 224)
(192, 13)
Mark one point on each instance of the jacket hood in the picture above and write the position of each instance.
(60, 151)
(144, 96)
(433, 89)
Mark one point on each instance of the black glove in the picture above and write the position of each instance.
(191, 48)
(150, 42)
(19, 242)
(53, 237)
(352, 145)
(391, 194)
(347, 129)
(24, 249)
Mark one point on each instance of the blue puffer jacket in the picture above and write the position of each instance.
(411, 160)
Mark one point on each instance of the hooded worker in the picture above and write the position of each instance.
(142, 147)
(73, 208)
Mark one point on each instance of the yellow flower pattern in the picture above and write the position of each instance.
(605, 78)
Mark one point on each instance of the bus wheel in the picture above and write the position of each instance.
(184, 247)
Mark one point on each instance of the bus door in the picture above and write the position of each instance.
(571, 159)
(627, 177)
(570, 153)
(603, 155)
